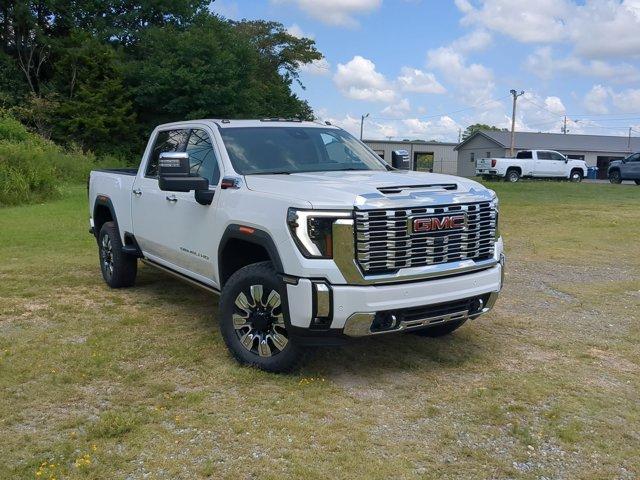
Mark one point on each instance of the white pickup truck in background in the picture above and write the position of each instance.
(532, 163)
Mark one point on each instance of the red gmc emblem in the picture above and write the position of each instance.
(436, 224)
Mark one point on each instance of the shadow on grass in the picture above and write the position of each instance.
(365, 357)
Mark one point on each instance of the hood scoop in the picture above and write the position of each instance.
(431, 186)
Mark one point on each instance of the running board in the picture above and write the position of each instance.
(181, 276)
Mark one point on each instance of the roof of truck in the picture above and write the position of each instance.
(261, 122)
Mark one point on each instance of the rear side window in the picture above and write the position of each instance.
(202, 157)
(525, 154)
(166, 141)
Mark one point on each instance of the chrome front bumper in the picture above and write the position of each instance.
(360, 324)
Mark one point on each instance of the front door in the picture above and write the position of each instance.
(172, 228)
(549, 164)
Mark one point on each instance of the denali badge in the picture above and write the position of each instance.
(435, 224)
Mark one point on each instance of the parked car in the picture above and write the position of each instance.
(627, 169)
(532, 163)
(305, 233)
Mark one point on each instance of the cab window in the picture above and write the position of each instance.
(544, 155)
(556, 156)
(524, 154)
(202, 157)
(166, 141)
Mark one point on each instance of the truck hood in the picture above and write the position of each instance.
(371, 189)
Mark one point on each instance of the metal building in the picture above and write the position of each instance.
(438, 157)
(596, 150)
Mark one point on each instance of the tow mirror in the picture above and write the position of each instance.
(174, 174)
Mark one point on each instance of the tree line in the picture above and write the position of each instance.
(101, 74)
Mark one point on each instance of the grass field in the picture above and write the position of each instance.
(98, 383)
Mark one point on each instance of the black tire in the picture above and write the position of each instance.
(257, 334)
(512, 175)
(440, 330)
(119, 269)
(487, 178)
(615, 177)
(637, 182)
(575, 176)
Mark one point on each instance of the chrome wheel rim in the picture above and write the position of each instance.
(513, 177)
(106, 250)
(575, 177)
(259, 323)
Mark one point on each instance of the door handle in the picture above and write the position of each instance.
(171, 198)
(137, 192)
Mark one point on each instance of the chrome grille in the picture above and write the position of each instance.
(385, 240)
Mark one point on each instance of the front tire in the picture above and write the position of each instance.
(252, 319)
(119, 270)
(637, 182)
(615, 177)
(440, 330)
(576, 176)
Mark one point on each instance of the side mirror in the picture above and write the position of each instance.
(174, 174)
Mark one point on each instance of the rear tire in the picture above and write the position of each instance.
(440, 330)
(576, 176)
(615, 177)
(512, 176)
(119, 269)
(253, 319)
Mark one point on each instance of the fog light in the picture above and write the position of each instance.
(476, 305)
(384, 321)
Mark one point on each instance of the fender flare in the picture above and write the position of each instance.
(257, 237)
(103, 201)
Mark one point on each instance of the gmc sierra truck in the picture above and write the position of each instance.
(306, 234)
(627, 169)
(532, 163)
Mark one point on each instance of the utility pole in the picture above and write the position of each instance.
(629, 140)
(564, 129)
(515, 96)
(362, 124)
(459, 135)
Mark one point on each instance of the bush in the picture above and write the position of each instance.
(32, 168)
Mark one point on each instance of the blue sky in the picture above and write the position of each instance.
(428, 68)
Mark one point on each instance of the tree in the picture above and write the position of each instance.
(476, 127)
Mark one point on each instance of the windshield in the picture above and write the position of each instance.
(260, 150)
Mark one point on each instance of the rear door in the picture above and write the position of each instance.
(149, 205)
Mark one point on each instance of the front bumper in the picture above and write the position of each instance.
(350, 310)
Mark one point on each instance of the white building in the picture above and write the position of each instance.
(438, 157)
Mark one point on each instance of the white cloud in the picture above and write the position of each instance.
(528, 21)
(359, 80)
(316, 67)
(335, 12)
(417, 81)
(442, 128)
(543, 64)
(474, 81)
(594, 28)
(397, 109)
(595, 101)
(297, 32)
(627, 101)
(474, 41)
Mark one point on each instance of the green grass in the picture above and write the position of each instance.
(98, 383)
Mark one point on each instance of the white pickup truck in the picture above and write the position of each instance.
(532, 163)
(305, 233)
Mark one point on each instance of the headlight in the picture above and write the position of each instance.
(495, 205)
(312, 231)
